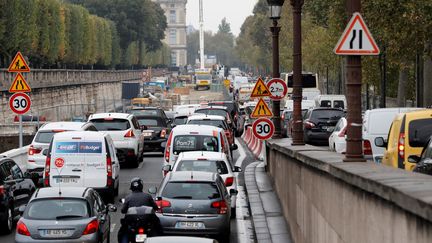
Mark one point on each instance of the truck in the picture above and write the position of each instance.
(203, 78)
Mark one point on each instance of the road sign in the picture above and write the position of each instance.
(261, 110)
(278, 88)
(263, 128)
(260, 89)
(20, 103)
(59, 162)
(19, 85)
(19, 64)
(227, 83)
(356, 39)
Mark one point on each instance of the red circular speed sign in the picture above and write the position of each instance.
(59, 162)
(20, 103)
(278, 88)
(263, 128)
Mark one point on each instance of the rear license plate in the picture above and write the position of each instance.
(190, 225)
(147, 134)
(140, 238)
(67, 180)
(56, 233)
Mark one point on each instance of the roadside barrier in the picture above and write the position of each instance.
(248, 135)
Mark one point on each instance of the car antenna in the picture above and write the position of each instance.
(191, 175)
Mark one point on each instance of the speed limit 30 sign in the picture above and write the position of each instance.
(20, 103)
(263, 128)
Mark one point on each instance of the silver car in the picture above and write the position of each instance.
(194, 203)
(72, 214)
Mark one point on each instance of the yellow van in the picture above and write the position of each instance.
(408, 134)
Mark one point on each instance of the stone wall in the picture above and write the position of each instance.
(327, 201)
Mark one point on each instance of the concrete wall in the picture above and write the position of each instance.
(327, 201)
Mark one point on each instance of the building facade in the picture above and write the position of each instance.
(175, 34)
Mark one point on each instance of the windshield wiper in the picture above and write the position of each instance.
(69, 216)
(182, 197)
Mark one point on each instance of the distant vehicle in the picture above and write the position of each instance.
(212, 120)
(158, 129)
(203, 78)
(218, 111)
(149, 111)
(178, 239)
(74, 214)
(245, 91)
(248, 109)
(238, 82)
(287, 121)
(376, 123)
(140, 102)
(337, 139)
(305, 104)
(234, 71)
(331, 101)
(318, 121)
(186, 109)
(89, 160)
(30, 118)
(179, 120)
(16, 190)
(234, 111)
(309, 81)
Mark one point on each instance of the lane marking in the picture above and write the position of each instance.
(141, 164)
(242, 153)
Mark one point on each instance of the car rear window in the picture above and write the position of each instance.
(216, 123)
(111, 124)
(325, 103)
(230, 106)
(419, 132)
(180, 120)
(213, 112)
(339, 104)
(203, 165)
(44, 137)
(183, 143)
(151, 122)
(191, 190)
(327, 114)
(57, 209)
(145, 112)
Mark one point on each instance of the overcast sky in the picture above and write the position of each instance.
(235, 11)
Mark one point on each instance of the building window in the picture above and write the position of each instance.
(173, 37)
(174, 58)
(172, 16)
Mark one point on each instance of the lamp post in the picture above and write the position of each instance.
(275, 10)
(297, 133)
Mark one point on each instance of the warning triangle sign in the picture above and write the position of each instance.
(19, 85)
(260, 89)
(261, 110)
(18, 64)
(356, 39)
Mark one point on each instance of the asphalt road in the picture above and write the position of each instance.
(150, 171)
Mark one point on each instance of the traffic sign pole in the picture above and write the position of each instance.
(20, 131)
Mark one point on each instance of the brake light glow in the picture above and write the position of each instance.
(163, 133)
(2, 191)
(167, 148)
(58, 130)
(221, 206)
(367, 149)
(47, 171)
(343, 132)
(109, 171)
(141, 231)
(32, 150)
(129, 134)
(309, 124)
(108, 118)
(91, 227)
(162, 204)
(401, 146)
(229, 181)
(22, 229)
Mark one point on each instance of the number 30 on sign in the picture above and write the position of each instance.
(20, 103)
(263, 128)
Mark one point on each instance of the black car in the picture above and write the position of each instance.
(235, 113)
(150, 111)
(424, 161)
(156, 133)
(317, 122)
(16, 188)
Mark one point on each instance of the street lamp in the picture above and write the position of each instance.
(275, 10)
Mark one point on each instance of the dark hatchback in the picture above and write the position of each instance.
(317, 122)
(234, 111)
(16, 188)
(156, 133)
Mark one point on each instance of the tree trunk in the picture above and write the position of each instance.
(403, 79)
(427, 75)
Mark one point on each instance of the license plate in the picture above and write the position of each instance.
(147, 134)
(190, 225)
(324, 127)
(56, 233)
(140, 238)
(67, 180)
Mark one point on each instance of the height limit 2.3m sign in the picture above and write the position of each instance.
(356, 39)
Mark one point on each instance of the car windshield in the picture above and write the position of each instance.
(111, 124)
(151, 121)
(50, 209)
(184, 143)
(191, 190)
(203, 165)
(419, 132)
(216, 123)
(327, 114)
(216, 112)
(180, 120)
(203, 76)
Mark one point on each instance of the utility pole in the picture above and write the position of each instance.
(201, 35)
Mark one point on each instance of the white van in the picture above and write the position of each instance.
(239, 81)
(305, 104)
(83, 159)
(331, 101)
(376, 123)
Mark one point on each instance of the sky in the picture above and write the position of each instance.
(235, 12)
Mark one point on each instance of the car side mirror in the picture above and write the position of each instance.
(166, 168)
(45, 152)
(414, 159)
(379, 142)
(234, 147)
(237, 169)
(233, 192)
(122, 200)
(111, 208)
(173, 125)
(143, 127)
(152, 190)
(21, 209)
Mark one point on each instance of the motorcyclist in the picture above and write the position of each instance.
(137, 198)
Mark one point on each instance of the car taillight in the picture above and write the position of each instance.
(2, 191)
(32, 150)
(309, 124)
(109, 171)
(47, 171)
(162, 204)
(163, 133)
(221, 206)
(343, 132)
(367, 149)
(129, 134)
(91, 227)
(401, 145)
(167, 148)
(21, 229)
(141, 231)
(229, 181)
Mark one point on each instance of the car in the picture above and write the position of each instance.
(218, 111)
(331, 101)
(337, 139)
(234, 111)
(16, 188)
(186, 110)
(317, 121)
(407, 136)
(126, 133)
(87, 159)
(249, 107)
(71, 214)
(196, 138)
(157, 131)
(376, 123)
(211, 120)
(178, 239)
(152, 111)
(194, 203)
(36, 153)
(288, 121)
(179, 120)
(214, 162)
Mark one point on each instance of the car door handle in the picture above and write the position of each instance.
(76, 170)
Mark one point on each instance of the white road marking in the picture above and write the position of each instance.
(242, 153)
(141, 164)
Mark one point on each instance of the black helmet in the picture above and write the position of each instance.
(136, 185)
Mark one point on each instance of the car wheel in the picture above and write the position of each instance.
(116, 190)
(7, 225)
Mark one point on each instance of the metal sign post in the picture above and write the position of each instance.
(20, 131)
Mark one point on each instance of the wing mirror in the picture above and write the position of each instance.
(152, 190)
(111, 208)
(233, 192)
(379, 142)
(45, 152)
(234, 147)
(237, 169)
(122, 200)
(414, 159)
(21, 209)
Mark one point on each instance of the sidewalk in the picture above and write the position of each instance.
(267, 216)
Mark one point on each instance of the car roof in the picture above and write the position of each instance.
(178, 239)
(62, 125)
(326, 108)
(201, 129)
(81, 134)
(198, 116)
(192, 176)
(194, 155)
(48, 192)
(214, 107)
(113, 115)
